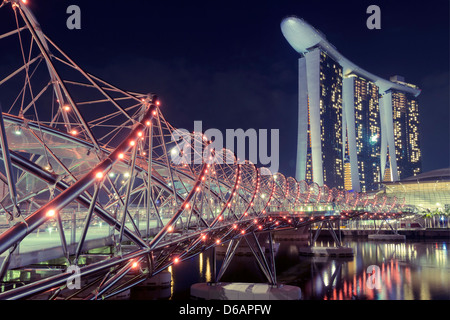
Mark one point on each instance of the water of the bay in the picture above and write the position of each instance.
(410, 270)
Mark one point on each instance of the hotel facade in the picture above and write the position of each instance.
(355, 129)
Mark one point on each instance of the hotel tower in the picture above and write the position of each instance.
(355, 129)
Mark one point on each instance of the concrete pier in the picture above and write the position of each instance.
(244, 249)
(244, 291)
(387, 237)
(326, 251)
(162, 279)
(416, 233)
(124, 295)
(292, 235)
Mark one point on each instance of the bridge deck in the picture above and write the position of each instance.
(46, 245)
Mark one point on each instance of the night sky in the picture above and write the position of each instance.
(227, 63)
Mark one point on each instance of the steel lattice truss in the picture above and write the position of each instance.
(74, 145)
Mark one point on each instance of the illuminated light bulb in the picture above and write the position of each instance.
(74, 132)
(24, 1)
(203, 178)
(255, 221)
(121, 156)
(277, 223)
(243, 231)
(229, 204)
(148, 123)
(260, 227)
(176, 260)
(197, 189)
(50, 213)
(99, 175)
(245, 214)
(132, 143)
(135, 265)
(158, 103)
(66, 108)
(204, 237)
(154, 112)
(220, 218)
(289, 220)
(187, 205)
(270, 219)
(170, 229)
(218, 241)
(174, 151)
(140, 134)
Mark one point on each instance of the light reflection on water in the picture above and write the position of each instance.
(409, 270)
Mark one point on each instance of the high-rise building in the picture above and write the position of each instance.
(404, 108)
(363, 130)
(320, 120)
(350, 119)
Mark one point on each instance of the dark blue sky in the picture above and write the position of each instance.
(227, 63)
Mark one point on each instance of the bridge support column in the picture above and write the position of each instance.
(389, 236)
(231, 250)
(330, 228)
(247, 291)
(338, 251)
(266, 264)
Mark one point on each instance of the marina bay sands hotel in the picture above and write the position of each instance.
(355, 129)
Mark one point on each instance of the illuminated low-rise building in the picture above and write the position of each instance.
(428, 191)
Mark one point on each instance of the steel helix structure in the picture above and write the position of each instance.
(101, 165)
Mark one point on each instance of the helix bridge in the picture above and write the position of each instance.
(102, 166)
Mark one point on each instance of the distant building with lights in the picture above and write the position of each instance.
(347, 175)
(353, 126)
(405, 120)
(426, 191)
